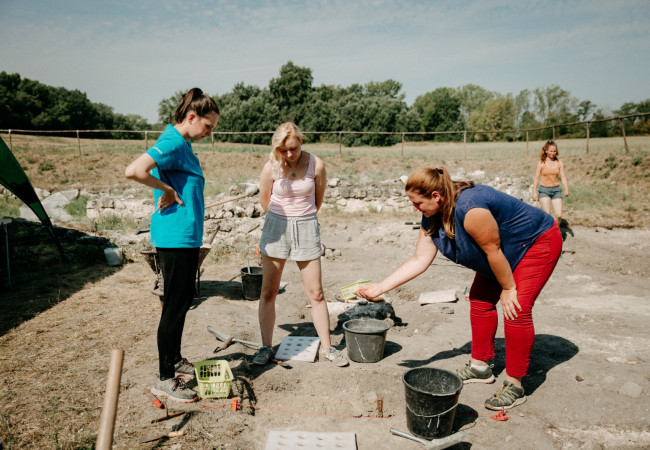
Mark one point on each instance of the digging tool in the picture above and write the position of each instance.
(435, 444)
(143, 225)
(171, 434)
(283, 364)
(167, 416)
(223, 337)
(156, 401)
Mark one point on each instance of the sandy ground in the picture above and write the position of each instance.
(588, 385)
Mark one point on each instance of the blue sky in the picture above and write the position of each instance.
(132, 54)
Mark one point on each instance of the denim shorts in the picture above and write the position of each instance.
(553, 192)
(294, 238)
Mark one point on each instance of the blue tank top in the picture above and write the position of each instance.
(519, 226)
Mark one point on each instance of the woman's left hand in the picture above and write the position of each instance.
(509, 303)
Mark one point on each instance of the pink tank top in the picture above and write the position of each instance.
(295, 198)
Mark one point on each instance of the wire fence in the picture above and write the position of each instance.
(403, 134)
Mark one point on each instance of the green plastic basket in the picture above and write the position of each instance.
(213, 378)
(347, 292)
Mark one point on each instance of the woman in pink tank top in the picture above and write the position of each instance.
(292, 187)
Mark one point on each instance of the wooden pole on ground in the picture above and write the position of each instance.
(402, 145)
(212, 136)
(11, 147)
(340, 154)
(465, 144)
(78, 143)
(627, 149)
(109, 410)
(526, 143)
(587, 138)
(146, 141)
(553, 133)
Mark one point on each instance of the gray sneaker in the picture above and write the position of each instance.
(184, 367)
(507, 397)
(174, 389)
(263, 356)
(471, 375)
(336, 356)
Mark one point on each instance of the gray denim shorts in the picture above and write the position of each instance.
(294, 238)
(553, 192)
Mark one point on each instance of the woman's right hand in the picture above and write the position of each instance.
(369, 291)
(535, 197)
(168, 198)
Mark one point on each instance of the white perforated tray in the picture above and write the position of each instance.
(302, 440)
(298, 348)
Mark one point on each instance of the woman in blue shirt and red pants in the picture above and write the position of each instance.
(172, 169)
(512, 246)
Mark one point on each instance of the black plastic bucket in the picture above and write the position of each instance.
(251, 283)
(365, 339)
(431, 399)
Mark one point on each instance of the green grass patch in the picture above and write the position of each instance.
(9, 206)
(114, 223)
(77, 207)
(592, 195)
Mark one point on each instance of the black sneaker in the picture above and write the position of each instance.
(470, 375)
(263, 356)
(174, 389)
(507, 397)
(184, 367)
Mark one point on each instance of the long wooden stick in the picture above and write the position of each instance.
(109, 410)
(227, 201)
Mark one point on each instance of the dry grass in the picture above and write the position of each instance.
(609, 187)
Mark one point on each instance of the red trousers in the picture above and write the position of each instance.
(531, 274)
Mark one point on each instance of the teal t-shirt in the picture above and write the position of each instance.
(178, 166)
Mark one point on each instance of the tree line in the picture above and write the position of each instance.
(372, 107)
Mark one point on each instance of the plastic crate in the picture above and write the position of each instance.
(213, 378)
(347, 292)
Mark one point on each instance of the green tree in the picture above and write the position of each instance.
(290, 91)
(439, 110)
(167, 107)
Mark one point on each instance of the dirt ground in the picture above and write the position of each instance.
(588, 387)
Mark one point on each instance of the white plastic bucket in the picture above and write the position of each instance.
(113, 256)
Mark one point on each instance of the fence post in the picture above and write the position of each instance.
(10, 146)
(465, 144)
(587, 138)
(78, 143)
(553, 132)
(340, 154)
(402, 145)
(212, 136)
(146, 141)
(526, 142)
(627, 149)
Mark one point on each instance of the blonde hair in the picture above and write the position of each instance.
(282, 133)
(425, 182)
(549, 144)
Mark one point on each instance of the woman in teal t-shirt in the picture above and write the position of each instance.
(172, 169)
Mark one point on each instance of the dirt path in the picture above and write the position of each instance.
(588, 386)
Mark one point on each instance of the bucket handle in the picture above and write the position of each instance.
(435, 415)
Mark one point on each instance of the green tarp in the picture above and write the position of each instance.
(13, 177)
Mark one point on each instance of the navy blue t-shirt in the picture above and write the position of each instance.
(519, 225)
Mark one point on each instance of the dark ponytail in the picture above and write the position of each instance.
(195, 100)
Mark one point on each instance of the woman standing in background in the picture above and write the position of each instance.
(551, 169)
